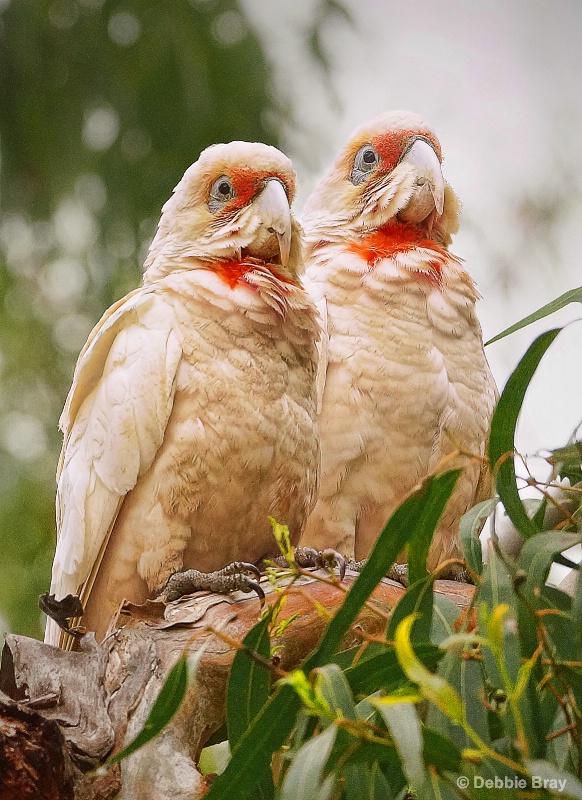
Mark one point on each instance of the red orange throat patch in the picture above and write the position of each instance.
(399, 237)
(234, 270)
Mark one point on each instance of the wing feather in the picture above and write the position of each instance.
(113, 423)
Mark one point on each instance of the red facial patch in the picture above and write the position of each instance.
(391, 145)
(398, 237)
(233, 271)
(247, 183)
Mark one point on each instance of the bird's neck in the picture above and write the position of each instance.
(392, 238)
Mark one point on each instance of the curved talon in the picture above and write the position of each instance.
(254, 587)
(247, 567)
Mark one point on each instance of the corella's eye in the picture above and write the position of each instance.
(365, 162)
(220, 193)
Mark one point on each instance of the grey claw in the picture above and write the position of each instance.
(246, 567)
(255, 587)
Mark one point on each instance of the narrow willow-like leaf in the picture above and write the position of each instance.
(470, 528)
(440, 752)
(539, 552)
(420, 541)
(251, 760)
(366, 782)
(418, 599)
(572, 296)
(333, 686)
(503, 425)
(433, 495)
(384, 672)
(164, 708)
(304, 777)
(466, 678)
(404, 726)
(248, 684)
(434, 687)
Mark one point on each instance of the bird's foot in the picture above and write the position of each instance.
(321, 559)
(460, 575)
(61, 611)
(399, 573)
(234, 577)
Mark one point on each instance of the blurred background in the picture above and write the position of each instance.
(104, 104)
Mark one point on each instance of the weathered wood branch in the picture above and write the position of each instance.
(61, 713)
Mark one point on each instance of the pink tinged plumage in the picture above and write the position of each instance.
(190, 419)
(403, 378)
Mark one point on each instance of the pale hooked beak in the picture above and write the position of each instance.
(272, 204)
(430, 185)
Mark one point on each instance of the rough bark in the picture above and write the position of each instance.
(62, 713)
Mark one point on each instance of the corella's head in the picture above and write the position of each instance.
(231, 204)
(389, 169)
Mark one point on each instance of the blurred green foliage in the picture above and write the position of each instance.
(103, 106)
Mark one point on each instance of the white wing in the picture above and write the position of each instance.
(114, 421)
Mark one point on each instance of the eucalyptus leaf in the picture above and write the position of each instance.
(404, 726)
(418, 599)
(502, 436)
(249, 681)
(470, 528)
(331, 683)
(251, 760)
(572, 296)
(305, 775)
(539, 552)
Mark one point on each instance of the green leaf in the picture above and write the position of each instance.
(164, 708)
(503, 425)
(497, 583)
(418, 599)
(331, 683)
(445, 615)
(384, 672)
(572, 296)
(434, 687)
(466, 678)
(539, 552)
(248, 684)
(568, 461)
(432, 495)
(421, 538)
(440, 752)
(470, 528)
(248, 691)
(251, 760)
(304, 777)
(366, 782)
(404, 726)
